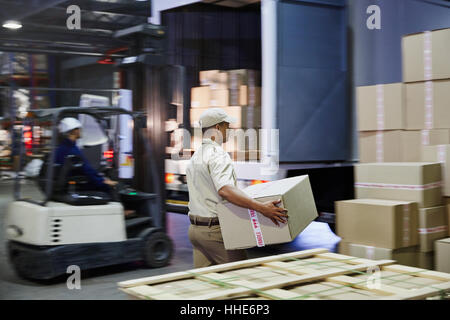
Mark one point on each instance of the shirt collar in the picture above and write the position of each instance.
(209, 141)
(69, 142)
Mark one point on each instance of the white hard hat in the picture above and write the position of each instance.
(213, 116)
(68, 124)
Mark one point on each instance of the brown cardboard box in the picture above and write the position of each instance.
(433, 225)
(240, 77)
(207, 77)
(242, 140)
(380, 223)
(242, 228)
(200, 97)
(426, 137)
(380, 146)
(250, 96)
(380, 107)
(425, 56)
(235, 97)
(205, 97)
(412, 142)
(247, 155)
(425, 260)
(219, 81)
(343, 247)
(440, 153)
(245, 96)
(447, 201)
(442, 255)
(219, 98)
(427, 105)
(404, 256)
(407, 181)
(247, 117)
(398, 145)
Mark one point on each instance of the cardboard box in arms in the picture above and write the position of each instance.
(244, 228)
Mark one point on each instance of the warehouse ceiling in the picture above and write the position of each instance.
(44, 28)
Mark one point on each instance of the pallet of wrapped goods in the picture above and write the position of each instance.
(304, 275)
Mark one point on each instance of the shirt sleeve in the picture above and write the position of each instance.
(221, 170)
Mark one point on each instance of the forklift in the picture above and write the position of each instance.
(76, 225)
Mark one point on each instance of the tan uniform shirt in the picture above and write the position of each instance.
(209, 169)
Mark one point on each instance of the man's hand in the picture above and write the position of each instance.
(273, 212)
(109, 182)
(268, 209)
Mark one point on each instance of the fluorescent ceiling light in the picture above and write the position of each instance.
(12, 24)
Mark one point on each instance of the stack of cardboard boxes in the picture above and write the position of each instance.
(396, 119)
(404, 145)
(238, 92)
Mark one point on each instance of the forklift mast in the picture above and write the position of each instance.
(147, 77)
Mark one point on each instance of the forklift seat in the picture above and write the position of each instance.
(69, 186)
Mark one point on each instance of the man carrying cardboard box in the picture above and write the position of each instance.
(211, 178)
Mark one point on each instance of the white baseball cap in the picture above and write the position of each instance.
(68, 124)
(213, 116)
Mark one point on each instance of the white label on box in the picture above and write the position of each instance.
(427, 56)
(195, 104)
(256, 228)
(380, 107)
(425, 137)
(429, 105)
(380, 146)
(406, 213)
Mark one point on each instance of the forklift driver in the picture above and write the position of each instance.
(70, 128)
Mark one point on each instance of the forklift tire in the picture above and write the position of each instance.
(157, 250)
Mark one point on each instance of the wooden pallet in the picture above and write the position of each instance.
(310, 274)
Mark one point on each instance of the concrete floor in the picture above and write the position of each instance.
(101, 284)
